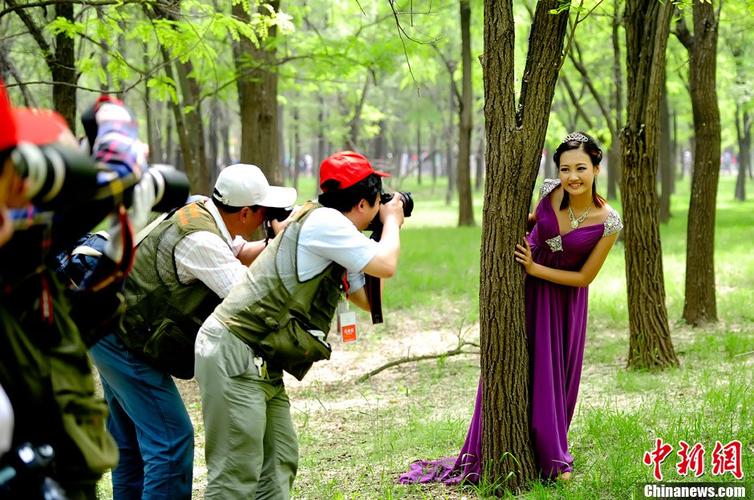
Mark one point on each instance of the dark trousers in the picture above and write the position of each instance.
(148, 421)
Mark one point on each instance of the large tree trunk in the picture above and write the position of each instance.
(465, 210)
(647, 27)
(700, 305)
(743, 134)
(665, 154)
(515, 137)
(257, 86)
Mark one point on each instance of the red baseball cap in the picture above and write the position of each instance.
(37, 126)
(347, 168)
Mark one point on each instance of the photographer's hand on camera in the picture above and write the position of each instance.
(393, 208)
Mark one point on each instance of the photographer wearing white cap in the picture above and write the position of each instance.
(184, 266)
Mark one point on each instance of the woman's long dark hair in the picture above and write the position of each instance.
(585, 142)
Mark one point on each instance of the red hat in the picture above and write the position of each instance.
(347, 168)
(7, 122)
(37, 126)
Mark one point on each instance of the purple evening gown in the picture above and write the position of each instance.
(556, 317)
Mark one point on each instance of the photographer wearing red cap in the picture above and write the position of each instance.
(51, 193)
(277, 319)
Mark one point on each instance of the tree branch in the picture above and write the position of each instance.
(410, 359)
(575, 101)
(450, 66)
(92, 3)
(579, 65)
(35, 32)
(682, 32)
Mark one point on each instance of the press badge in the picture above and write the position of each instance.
(346, 322)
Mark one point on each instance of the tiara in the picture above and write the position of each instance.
(576, 136)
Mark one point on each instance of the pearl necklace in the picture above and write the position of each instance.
(575, 221)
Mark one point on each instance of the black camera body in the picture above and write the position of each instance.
(271, 214)
(408, 207)
(26, 474)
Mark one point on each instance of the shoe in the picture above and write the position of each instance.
(565, 476)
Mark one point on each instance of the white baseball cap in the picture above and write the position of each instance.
(244, 185)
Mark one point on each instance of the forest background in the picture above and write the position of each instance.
(284, 85)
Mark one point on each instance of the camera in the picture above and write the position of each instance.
(408, 201)
(408, 206)
(271, 214)
(171, 186)
(25, 474)
(58, 175)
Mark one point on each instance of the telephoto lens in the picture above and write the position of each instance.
(171, 186)
(58, 175)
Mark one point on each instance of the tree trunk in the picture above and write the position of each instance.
(227, 156)
(665, 163)
(700, 305)
(321, 144)
(743, 134)
(419, 154)
(479, 178)
(169, 157)
(515, 137)
(155, 148)
(465, 210)
(379, 141)
(674, 152)
(188, 124)
(213, 137)
(354, 125)
(616, 99)
(647, 27)
(281, 143)
(257, 86)
(64, 70)
(296, 149)
(449, 170)
(433, 160)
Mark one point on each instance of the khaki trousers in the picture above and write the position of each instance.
(251, 446)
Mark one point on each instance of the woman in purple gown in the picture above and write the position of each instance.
(573, 232)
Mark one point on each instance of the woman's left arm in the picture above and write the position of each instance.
(581, 278)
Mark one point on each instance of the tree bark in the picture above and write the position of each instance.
(743, 135)
(515, 137)
(64, 70)
(188, 113)
(616, 100)
(465, 209)
(665, 162)
(257, 86)
(700, 305)
(321, 144)
(479, 178)
(449, 170)
(419, 153)
(296, 149)
(647, 27)
(213, 139)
